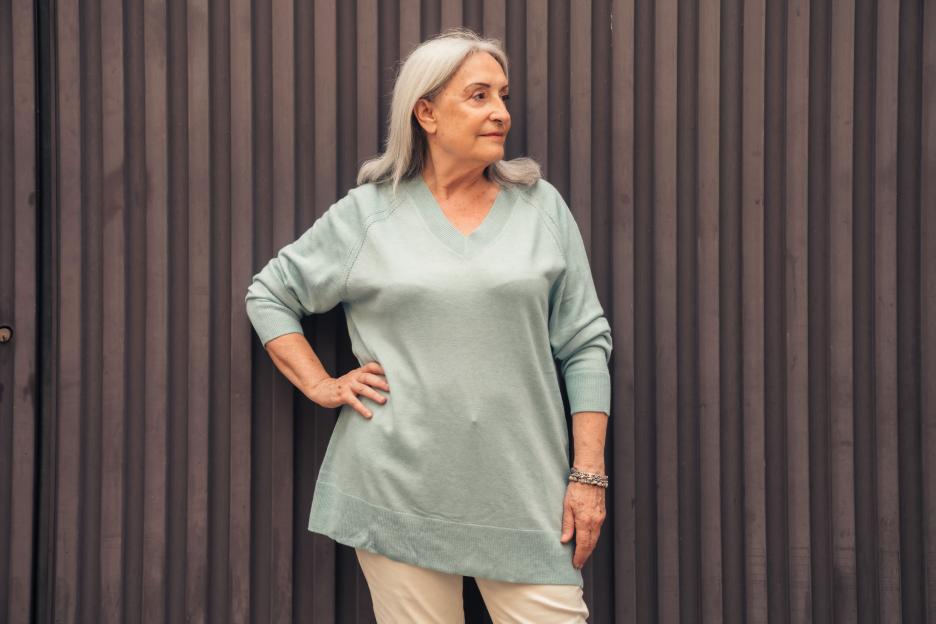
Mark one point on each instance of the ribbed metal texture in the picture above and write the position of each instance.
(18, 312)
(755, 181)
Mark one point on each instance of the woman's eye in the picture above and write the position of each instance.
(480, 96)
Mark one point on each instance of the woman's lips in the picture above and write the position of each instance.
(499, 136)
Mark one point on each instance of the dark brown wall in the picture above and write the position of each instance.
(19, 392)
(755, 180)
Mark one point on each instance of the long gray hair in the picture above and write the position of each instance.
(424, 74)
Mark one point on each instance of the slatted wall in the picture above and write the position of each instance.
(19, 266)
(755, 181)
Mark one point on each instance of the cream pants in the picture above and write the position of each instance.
(405, 593)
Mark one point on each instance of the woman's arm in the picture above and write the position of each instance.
(583, 510)
(588, 431)
(293, 356)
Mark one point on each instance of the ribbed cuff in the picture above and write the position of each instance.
(589, 391)
(271, 322)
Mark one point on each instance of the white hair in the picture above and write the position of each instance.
(424, 74)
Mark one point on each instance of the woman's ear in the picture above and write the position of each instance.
(425, 115)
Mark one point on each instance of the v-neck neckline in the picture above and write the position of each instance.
(431, 211)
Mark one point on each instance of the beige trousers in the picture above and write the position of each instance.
(406, 593)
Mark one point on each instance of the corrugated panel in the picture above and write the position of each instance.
(19, 385)
(754, 180)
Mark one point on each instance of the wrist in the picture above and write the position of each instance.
(577, 475)
(310, 388)
(595, 467)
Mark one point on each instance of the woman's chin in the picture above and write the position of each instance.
(495, 155)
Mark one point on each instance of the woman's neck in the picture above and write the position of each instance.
(453, 180)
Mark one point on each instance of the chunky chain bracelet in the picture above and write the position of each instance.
(590, 478)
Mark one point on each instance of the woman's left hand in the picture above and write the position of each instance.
(583, 512)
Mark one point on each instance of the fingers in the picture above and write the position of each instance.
(370, 373)
(357, 405)
(362, 389)
(583, 518)
(373, 367)
(585, 541)
(568, 523)
(374, 380)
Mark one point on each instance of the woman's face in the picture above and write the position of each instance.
(472, 106)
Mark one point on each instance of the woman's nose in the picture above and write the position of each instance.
(501, 113)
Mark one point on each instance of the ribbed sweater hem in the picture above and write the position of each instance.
(530, 556)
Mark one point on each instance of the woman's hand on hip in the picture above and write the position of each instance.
(335, 391)
(583, 513)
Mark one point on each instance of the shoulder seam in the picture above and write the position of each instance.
(355, 251)
(554, 230)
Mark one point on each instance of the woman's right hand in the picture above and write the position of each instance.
(335, 391)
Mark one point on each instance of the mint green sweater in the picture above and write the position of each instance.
(464, 469)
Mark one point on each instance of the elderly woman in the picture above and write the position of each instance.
(463, 278)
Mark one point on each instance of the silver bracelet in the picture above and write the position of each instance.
(590, 478)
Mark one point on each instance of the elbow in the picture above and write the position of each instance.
(589, 349)
(591, 358)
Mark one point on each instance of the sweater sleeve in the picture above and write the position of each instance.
(580, 335)
(307, 276)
